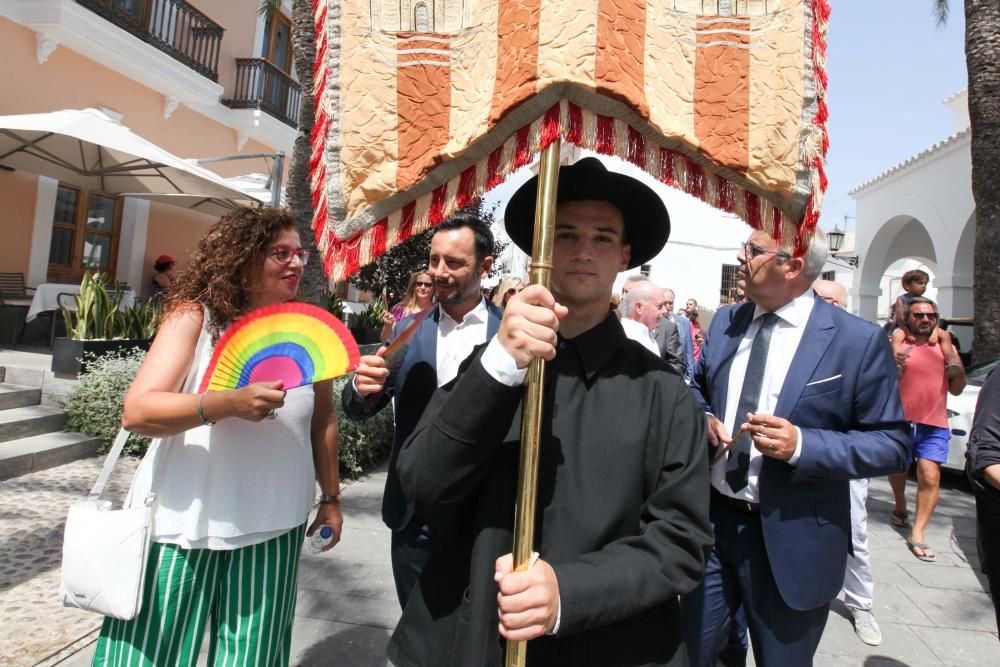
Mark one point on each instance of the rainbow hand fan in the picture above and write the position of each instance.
(296, 343)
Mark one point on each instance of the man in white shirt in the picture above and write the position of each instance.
(800, 397)
(859, 586)
(460, 257)
(642, 309)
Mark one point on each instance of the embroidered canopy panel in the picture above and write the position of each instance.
(422, 105)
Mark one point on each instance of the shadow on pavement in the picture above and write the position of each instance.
(357, 646)
(883, 661)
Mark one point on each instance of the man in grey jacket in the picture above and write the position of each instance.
(674, 338)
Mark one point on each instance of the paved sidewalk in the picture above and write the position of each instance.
(930, 613)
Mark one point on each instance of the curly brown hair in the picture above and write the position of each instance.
(221, 269)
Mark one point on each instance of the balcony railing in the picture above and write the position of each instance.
(172, 26)
(261, 85)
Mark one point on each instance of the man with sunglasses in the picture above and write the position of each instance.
(926, 375)
(460, 257)
(800, 397)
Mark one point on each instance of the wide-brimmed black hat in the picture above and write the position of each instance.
(647, 225)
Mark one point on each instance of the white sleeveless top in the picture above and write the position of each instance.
(233, 484)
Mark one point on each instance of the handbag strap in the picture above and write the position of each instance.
(109, 464)
(122, 438)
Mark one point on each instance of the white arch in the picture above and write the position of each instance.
(902, 236)
(955, 280)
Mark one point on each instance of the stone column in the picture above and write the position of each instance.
(132, 242)
(954, 294)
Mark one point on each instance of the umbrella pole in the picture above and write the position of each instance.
(539, 271)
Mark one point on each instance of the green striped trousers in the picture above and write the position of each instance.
(247, 593)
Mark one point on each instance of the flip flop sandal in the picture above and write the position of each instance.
(913, 546)
(900, 519)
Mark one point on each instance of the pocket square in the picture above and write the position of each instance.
(829, 379)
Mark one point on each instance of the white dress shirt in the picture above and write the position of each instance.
(455, 340)
(785, 338)
(641, 334)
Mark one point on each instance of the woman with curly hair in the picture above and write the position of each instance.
(233, 472)
(419, 295)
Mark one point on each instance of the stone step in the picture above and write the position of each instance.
(28, 421)
(39, 452)
(18, 396)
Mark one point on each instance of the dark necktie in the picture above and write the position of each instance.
(739, 456)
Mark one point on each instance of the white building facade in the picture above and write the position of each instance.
(921, 211)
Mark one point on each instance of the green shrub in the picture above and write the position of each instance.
(363, 444)
(95, 407)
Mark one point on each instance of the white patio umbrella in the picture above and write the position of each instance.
(87, 148)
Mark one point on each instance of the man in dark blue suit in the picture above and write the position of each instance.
(460, 257)
(800, 398)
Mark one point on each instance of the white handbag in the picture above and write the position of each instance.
(105, 550)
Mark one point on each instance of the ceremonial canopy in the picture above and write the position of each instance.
(422, 105)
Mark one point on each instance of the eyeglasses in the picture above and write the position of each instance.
(750, 251)
(924, 316)
(283, 254)
(421, 283)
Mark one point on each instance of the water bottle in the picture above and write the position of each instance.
(319, 539)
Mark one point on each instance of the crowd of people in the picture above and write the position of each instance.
(702, 491)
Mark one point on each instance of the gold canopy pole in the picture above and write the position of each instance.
(539, 272)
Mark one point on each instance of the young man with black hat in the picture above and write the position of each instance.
(622, 525)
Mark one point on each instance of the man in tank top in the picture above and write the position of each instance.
(926, 376)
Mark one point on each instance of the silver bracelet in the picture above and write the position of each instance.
(201, 411)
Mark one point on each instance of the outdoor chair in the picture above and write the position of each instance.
(15, 296)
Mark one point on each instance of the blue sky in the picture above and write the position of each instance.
(890, 70)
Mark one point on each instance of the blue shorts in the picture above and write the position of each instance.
(930, 442)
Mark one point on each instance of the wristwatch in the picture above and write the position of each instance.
(329, 499)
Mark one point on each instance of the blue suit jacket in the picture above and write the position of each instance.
(411, 383)
(841, 391)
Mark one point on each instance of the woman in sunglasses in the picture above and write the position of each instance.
(507, 288)
(234, 472)
(419, 295)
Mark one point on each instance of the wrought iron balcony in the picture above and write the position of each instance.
(172, 26)
(261, 85)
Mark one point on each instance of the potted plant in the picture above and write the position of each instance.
(99, 326)
(335, 305)
(367, 327)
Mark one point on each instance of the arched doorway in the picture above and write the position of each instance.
(901, 237)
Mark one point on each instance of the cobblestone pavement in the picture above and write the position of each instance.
(930, 613)
(36, 628)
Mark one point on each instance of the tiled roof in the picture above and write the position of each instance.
(961, 91)
(919, 157)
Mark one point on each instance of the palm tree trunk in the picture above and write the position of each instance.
(982, 56)
(313, 287)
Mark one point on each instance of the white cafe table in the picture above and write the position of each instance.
(47, 298)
